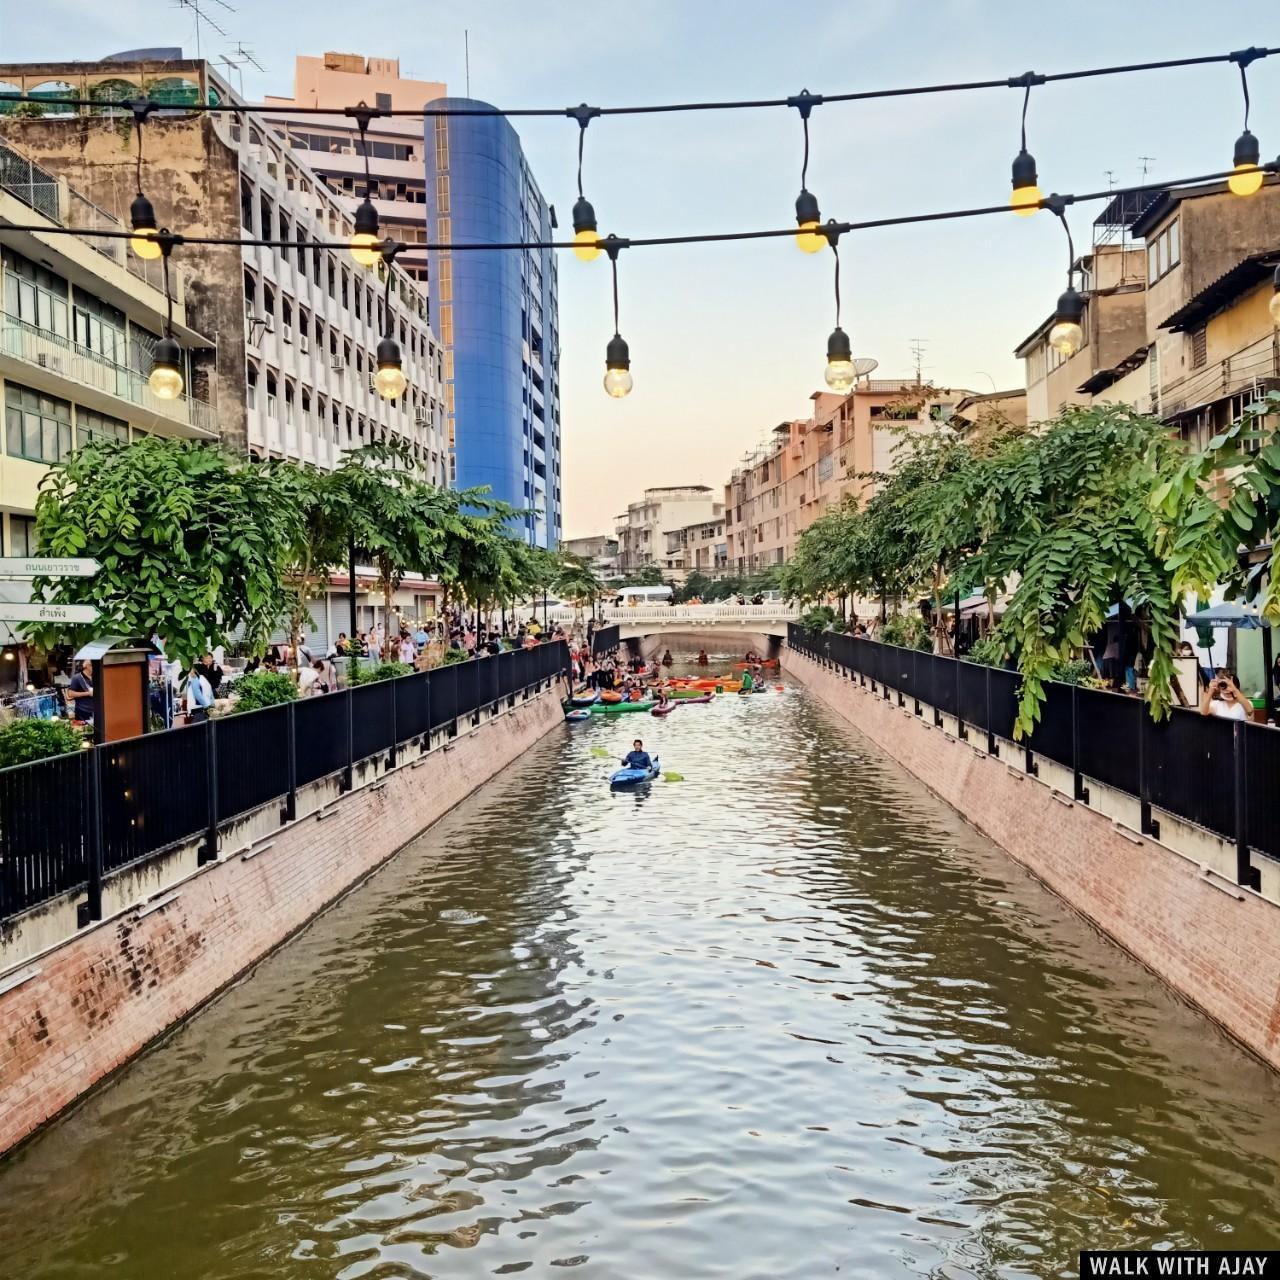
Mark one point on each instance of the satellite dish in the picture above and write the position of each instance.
(864, 365)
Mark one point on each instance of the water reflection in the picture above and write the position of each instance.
(786, 1016)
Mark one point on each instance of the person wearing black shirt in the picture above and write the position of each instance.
(208, 668)
(80, 693)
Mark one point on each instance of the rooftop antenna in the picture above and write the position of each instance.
(466, 53)
(243, 57)
(917, 349)
(201, 16)
(1146, 161)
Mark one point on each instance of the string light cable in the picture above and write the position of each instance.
(165, 379)
(617, 356)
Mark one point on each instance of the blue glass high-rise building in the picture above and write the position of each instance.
(495, 315)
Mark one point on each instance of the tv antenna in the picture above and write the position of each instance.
(201, 15)
(238, 61)
(1146, 162)
(917, 349)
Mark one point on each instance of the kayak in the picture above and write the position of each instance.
(610, 696)
(764, 662)
(579, 713)
(664, 711)
(629, 777)
(622, 706)
(706, 697)
(585, 699)
(692, 695)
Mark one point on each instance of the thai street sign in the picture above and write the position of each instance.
(37, 611)
(46, 567)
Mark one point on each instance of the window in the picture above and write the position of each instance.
(37, 427)
(271, 394)
(1199, 347)
(34, 294)
(266, 216)
(22, 536)
(250, 296)
(288, 404)
(346, 289)
(246, 206)
(382, 101)
(99, 327)
(1164, 252)
(251, 385)
(91, 425)
(286, 233)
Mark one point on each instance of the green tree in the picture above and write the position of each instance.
(192, 542)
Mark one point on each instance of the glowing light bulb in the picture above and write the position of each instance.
(364, 249)
(618, 382)
(584, 245)
(1066, 337)
(1025, 200)
(1274, 307)
(1245, 180)
(839, 374)
(166, 372)
(145, 245)
(809, 239)
(390, 381)
(142, 218)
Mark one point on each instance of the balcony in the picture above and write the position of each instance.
(1254, 368)
(61, 367)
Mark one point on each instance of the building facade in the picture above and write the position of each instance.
(642, 528)
(698, 548)
(495, 315)
(332, 145)
(600, 550)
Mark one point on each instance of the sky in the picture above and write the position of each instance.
(728, 340)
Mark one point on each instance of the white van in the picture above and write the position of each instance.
(634, 597)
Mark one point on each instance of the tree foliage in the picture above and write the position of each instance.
(190, 540)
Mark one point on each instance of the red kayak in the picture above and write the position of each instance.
(706, 697)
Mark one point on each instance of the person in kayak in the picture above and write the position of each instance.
(747, 682)
(667, 659)
(637, 757)
(703, 660)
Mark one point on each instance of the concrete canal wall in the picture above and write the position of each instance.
(75, 1011)
(1175, 907)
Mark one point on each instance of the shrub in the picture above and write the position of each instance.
(452, 656)
(380, 671)
(22, 741)
(819, 618)
(908, 631)
(988, 650)
(263, 689)
(1076, 671)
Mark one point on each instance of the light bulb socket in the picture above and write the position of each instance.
(838, 347)
(168, 354)
(807, 208)
(1247, 149)
(584, 216)
(1275, 280)
(142, 213)
(388, 354)
(1070, 308)
(366, 218)
(1024, 170)
(617, 355)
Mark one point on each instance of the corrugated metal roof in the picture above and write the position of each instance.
(1223, 291)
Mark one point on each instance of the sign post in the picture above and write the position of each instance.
(47, 567)
(39, 611)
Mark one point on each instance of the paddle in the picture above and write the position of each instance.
(599, 752)
(673, 777)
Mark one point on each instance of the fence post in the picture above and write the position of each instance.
(291, 797)
(993, 748)
(1081, 791)
(426, 710)
(961, 732)
(915, 679)
(348, 773)
(1145, 823)
(209, 851)
(1246, 873)
(91, 908)
(395, 727)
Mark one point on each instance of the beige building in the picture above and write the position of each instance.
(330, 144)
(783, 487)
(641, 529)
(698, 548)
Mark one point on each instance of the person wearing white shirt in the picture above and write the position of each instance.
(1223, 698)
(199, 697)
(407, 650)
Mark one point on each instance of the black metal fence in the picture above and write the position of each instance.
(1218, 774)
(65, 822)
(605, 640)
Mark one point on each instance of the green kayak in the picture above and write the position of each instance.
(601, 707)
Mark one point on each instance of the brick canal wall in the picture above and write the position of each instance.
(1214, 943)
(76, 1012)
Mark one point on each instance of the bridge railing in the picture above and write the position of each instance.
(1214, 773)
(769, 611)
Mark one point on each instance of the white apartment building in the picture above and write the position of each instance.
(641, 529)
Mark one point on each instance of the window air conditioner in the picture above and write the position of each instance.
(304, 345)
(421, 420)
(337, 366)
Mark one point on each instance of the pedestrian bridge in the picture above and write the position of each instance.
(751, 625)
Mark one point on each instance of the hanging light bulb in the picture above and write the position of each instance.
(365, 241)
(1274, 305)
(585, 235)
(165, 380)
(808, 238)
(1067, 335)
(389, 381)
(839, 372)
(1246, 179)
(617, 361)
(1026, 194)
(142, 215)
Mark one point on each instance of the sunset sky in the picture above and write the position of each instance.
(728, 340)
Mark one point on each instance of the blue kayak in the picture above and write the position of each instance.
(629, 777)
(581, 713)
(585, 699)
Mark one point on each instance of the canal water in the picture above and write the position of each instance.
(787, 1017)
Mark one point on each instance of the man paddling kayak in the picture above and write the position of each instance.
(637, 757)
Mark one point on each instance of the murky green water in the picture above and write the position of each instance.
(787, 1018)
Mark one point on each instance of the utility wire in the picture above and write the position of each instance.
(707, 237)
(1241, 57)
